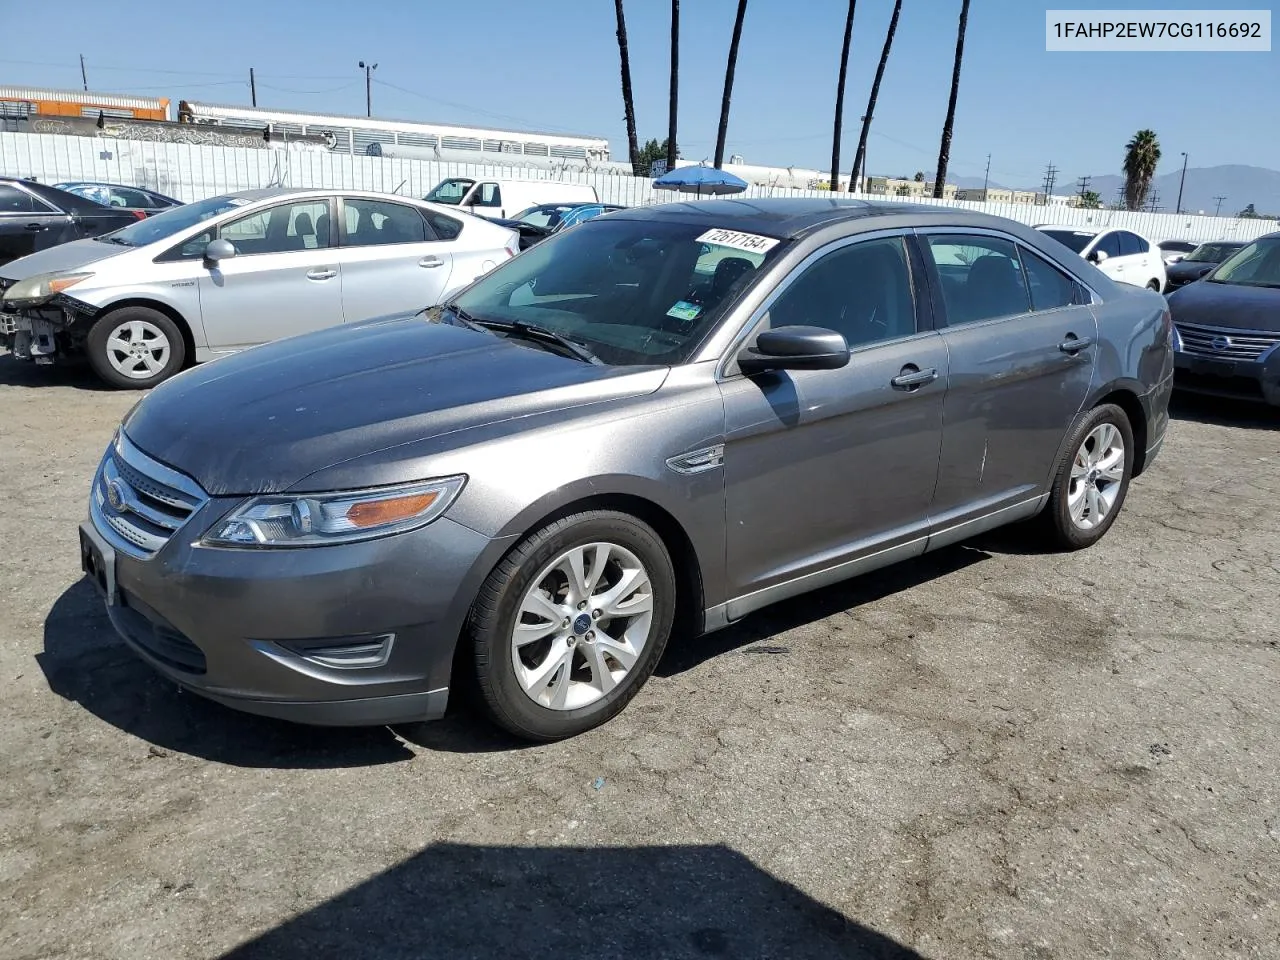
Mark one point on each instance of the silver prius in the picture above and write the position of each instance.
(645, 427)
(208, 279)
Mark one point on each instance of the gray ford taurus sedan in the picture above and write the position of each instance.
(651, 424)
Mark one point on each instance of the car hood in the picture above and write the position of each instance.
(64, 257)
(262, 420)
(1229, 305)
(1183, 272)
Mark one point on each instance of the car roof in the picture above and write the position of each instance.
(795, 217)
(1070, 228)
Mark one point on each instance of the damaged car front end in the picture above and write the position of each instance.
(39, 321)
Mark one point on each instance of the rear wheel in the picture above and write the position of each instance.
(1092, 479)
(135, 348)
(571, 624)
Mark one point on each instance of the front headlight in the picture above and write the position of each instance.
(315, 519)
(43, 286)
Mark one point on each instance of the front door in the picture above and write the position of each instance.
(392, 260)
(283, 280)
(824, 468)
(1021, 342)
(28, 224)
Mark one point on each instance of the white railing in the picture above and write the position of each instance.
(191, 171)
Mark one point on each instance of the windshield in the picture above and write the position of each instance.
(1211, 252)
(450, 191)
(547, 215)
(1257, 265)
(174, 220)
(1077, 240)
(632, 291)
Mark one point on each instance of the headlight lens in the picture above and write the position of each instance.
(43, 286)
(315, 519)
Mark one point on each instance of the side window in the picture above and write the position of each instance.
(488, 195)
(981, 277)
(13, 200)
(375, 222)
(286, 228)
(446, 228)
(862, 291)
(1050, 287)
(1131, 243)
(1109, 244)
(128, 198)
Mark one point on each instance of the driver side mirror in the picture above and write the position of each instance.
(219, 250)
(1097, 256)
(795, 348)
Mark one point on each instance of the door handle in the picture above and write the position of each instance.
(431, 261)
(1074, 345)
(322, 273)
(912, 377)
(34, 227)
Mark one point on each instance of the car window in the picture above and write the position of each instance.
(284, 228)
(450, 191)
(488, 195)
(1050, 287)
(13, 200)
(375, 222)
(124, 197)
(1131, 244)
(446, 228)
(981, 277)
(862, 291)
(1109, 244)
(1075, 240)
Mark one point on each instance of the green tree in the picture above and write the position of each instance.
(1248, 213)
(860, 158)
(651, 151)
(844, 70)
(919, 177)
(944, 151)
(1090, 200)
(1142, 155)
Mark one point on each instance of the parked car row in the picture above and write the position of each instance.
(35, 216)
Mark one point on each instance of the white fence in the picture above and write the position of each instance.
(194, 171)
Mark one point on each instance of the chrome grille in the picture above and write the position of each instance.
(1225, 344)
(139, 503)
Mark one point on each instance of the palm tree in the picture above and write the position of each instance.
(675, 84)
(628, 101)
(728, 82)
(1142, 154)
(844, 69)
(944, 152)
(861, 156)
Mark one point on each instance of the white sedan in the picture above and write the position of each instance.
(210, 278)
(1123, 255)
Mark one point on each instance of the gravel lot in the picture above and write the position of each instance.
(985, 753)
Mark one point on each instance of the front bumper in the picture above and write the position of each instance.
(42, 332)
(273, 632)
(1256, 380)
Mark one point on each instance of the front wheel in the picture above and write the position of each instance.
(1092, 479)
(135, 348)
(571, 624)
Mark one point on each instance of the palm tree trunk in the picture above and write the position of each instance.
(728, 83)
(861, 155)
(675, 84)
(628, 101)
(944, 151)
(844, 69)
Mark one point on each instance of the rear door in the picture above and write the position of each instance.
(1020, 340)
(1114, 266)
(392, 259)
(284, 279)
(28, 224)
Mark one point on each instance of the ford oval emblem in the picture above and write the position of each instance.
(581, 623)
(117, 496)
(1220, 343)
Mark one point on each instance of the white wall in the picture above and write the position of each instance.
(194, 171)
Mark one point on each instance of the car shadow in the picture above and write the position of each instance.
(682, 655)
(460, 901)
(1223, 411)
(86, 662)
(75, 373)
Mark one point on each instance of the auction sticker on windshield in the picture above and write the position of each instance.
(748, 242)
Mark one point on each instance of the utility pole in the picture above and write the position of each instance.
(1182, 181)
(84, 77)
(1153, 201)
(1082, 186)
(1218, 209)
(368, 69)
(1050, 178)
(253, 89)
(986, 179)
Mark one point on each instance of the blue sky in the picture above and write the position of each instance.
(553, 64)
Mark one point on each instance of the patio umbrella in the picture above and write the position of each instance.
(700, 180)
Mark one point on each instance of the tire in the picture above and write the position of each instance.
(1154, 285)
(160, 352)
(562, 679)
(1073, 519)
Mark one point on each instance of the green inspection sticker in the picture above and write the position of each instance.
(684, 311)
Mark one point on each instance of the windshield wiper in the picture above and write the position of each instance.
(110, 239)
(533, 332)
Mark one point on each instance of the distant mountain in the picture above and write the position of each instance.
(1240, 185)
